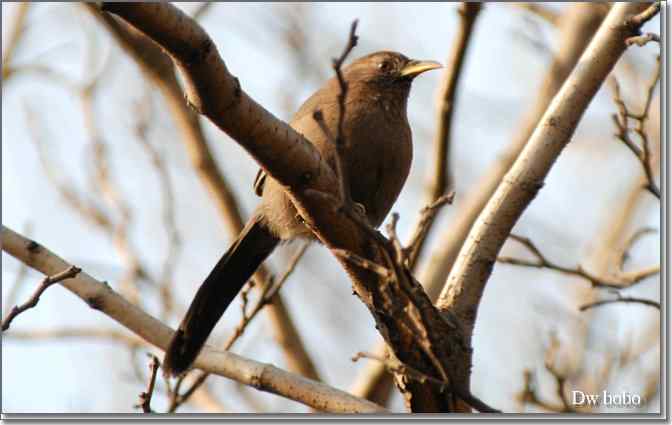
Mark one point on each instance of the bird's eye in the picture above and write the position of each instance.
(385, 66)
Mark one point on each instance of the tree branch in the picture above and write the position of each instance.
(419, 335)
(576, 28)
(69, 273)
(99, 296)
(621, 299)
(622, 280)
(642, 154)
(146, 396)
(269, 291)
(13, 38)
(442, 180)
(467, 279)
(158, 69)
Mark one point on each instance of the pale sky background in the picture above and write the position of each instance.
(501, 78)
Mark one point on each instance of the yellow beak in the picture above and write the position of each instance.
(415, 68)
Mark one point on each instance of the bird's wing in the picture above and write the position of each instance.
(324, 96)
(320, 97)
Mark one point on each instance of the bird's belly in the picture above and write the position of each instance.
(377, 174)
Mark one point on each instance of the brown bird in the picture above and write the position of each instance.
(378, 159)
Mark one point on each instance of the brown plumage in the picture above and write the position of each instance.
(378, 160)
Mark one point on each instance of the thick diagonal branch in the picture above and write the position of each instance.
(99, 296)
(402, 311)
(159, 70)
(576, 27)
(467, 279)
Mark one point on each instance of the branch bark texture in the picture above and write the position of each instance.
(466, 282)
(159, 69)
(576, 27)
(99, 296)
(419, 335)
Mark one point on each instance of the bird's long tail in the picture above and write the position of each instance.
(253, 246)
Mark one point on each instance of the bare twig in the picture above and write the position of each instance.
(620, 281)
(146, 396)
(560, 382)
(13, 38)
(442, 179)
(641, 40)
(642, 154)
(421, 336)
(421, 229)
(373, 383)
(576, 27)
(630, 242)
(264, 377)
(165, 280)
(69, 273)
(530, 391)
(84, 206)
(10, 300)
(530, 394)
(85, 334)
(159, 69)
(621, 299)
(341, 144)
(394, 366)
(358, 261)
(202, 9)
(469, 276)
(539, 10)
(645, 16)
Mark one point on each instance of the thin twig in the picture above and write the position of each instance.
(358, 261)
(641, 40)
(397, 367)
(560, 382)
(529, 394)
(342, 172)
(630, 242)
(20, 274)
(621, 119)
(622, 280)
(400, 253)
(168, 201)
(146, 396)
(425, 221)
(539, 10)
(442, 179)
(83, 334)
(621, 299)
(202, 9)
(13, 38)
(70, 272)
(640, 19)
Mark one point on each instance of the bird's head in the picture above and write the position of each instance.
(387, 69)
